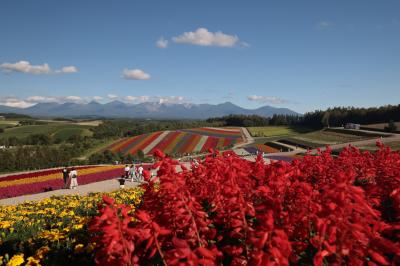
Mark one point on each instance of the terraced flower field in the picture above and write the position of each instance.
(179, 141)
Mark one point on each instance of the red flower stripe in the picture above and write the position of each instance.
(170, 147)
(191, 143)
(210, 143)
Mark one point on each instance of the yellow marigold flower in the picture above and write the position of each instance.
(79, 248)
(31, 261)
(16, 260)
(90, 247)
(41, 252)
(78, 226)
(5, 224)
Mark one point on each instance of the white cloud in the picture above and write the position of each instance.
(14, 102)
(135, 74)
(203, 37)
(266, 99)
(73, 99)
(162, 43)
(171, 99)
(156, 99)
(324, 25)
(41, 99)
(26, 67)
(112, 96)
(97, 98)
(67, 69)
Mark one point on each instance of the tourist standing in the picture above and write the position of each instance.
(140, 171)
(127, 169)
(65, 173)
(73, 175)
(132, 172)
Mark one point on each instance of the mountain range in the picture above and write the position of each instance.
(151, 110)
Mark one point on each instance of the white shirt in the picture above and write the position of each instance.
(127, 169)
(140, 169)
(73, 173)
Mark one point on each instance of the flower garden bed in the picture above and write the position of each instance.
(179, 141)
(36, 182)
(319, 210)
(53, 231)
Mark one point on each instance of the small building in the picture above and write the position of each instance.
(352, 126)
(2, 117)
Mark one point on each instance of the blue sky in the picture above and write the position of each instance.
(304, 55)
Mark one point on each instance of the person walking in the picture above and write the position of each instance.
(73, 175)
(132, 172)
(127, 170)
(65, 173)
(140, 171)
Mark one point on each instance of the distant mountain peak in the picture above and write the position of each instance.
(153, 110)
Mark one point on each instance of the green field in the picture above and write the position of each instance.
(328, 137)
(7, 123)
(273, 131)
(57, 130)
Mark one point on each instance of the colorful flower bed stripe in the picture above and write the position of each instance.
(180, 141)
(51, 180)
(54, 231)
(320, 210)
(36, 173)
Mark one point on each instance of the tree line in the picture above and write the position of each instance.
(333, 117)
(39, 157)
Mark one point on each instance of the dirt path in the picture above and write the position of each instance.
(248, 139)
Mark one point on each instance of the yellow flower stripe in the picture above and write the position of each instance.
(43, 178)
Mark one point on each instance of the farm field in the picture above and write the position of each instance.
(179, 141)
(379, 126)
(7, 123)
(57, 130)
(324, 137)
(271, 131)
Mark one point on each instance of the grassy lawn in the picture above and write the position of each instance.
(63, 131)
(271, 131)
